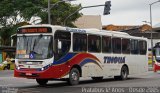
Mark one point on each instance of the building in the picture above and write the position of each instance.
(89, 21)
(6, 50)
(141, 28)
(140, 31)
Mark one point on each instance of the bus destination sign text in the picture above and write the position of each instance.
(34, 30)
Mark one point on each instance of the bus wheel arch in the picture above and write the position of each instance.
(124, 72)
(74, 75)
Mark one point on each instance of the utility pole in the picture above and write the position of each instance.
(49, 12)
(50, 6)
(152, 28)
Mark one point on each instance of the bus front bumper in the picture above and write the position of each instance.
(50, 73)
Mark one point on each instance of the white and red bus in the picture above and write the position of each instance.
(46, 52)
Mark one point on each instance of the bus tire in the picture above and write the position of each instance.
(97, 78)
(124, 73)
(42, 81)
(74, 76)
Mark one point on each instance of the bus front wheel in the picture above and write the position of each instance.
(74, 76)
(42, 81)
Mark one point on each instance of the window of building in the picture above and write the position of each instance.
(106, 44)
(94, 43)
(126, 46)
(79, 42)
(142, 47)
(116, 45)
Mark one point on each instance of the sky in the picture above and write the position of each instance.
(123, 12)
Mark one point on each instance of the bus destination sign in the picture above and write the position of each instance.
(34, 30)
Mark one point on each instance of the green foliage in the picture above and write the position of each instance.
(59, 12)
(13, 12)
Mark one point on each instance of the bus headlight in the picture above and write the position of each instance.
(42, 68)
(18, 68)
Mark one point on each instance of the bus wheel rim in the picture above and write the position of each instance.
(124, 73)
(74, 76)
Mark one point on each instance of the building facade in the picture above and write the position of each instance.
(89, 21)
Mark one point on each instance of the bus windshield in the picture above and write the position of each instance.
(34, 47)
(157, 52)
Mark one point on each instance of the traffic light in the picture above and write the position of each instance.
(107, 8)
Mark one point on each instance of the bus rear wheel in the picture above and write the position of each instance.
(74, 76)
(124, 74)
(42, 81)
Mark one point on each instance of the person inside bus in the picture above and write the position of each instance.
(93, 46)
(65, 47)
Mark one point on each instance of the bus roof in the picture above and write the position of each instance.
(89, 31)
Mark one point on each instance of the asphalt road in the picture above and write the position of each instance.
(146, 81)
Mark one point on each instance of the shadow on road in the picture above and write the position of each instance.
(82, 82)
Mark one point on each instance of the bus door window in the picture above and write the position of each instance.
(65, 40)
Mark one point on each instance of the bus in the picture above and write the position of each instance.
(47, 52)
(156, 57)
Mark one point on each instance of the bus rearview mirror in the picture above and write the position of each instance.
(59, 44)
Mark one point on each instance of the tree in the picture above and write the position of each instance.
(59, 12)
(13, 12)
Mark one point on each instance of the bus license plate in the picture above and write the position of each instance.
(28, 74)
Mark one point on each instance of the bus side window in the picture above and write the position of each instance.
(134, 47)
(126, 46)
(79, 42)
(106, 44)
(116, 44)
(142, 47)
(94, 43)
